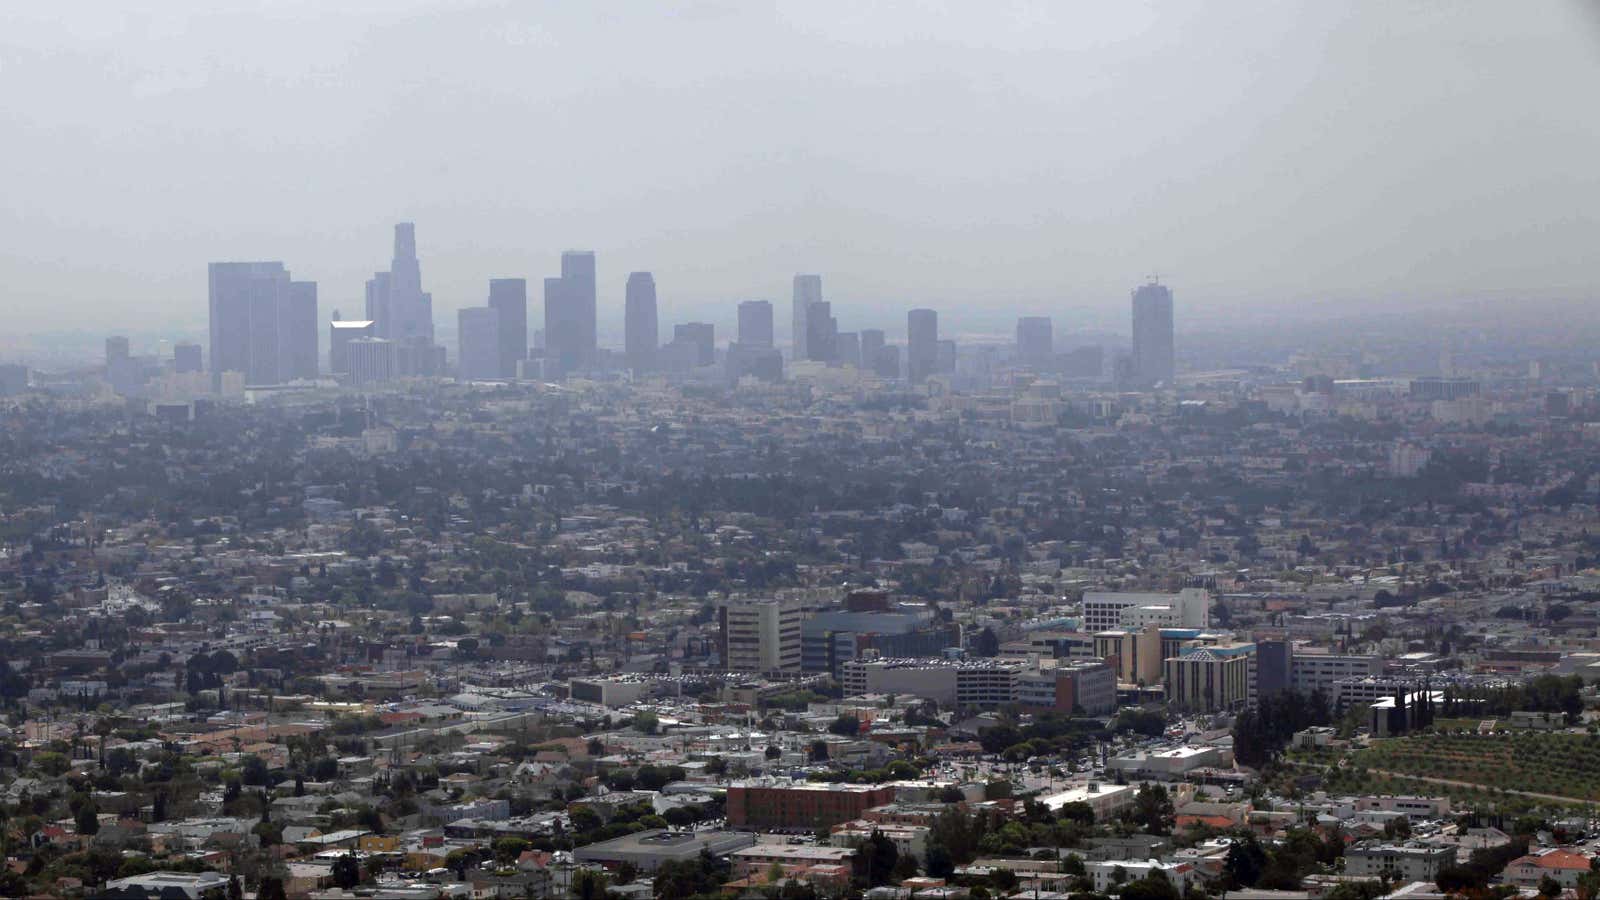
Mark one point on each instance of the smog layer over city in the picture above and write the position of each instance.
(800, 451)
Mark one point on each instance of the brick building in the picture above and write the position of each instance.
(781, 803)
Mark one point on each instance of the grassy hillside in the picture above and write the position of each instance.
(1564, 764)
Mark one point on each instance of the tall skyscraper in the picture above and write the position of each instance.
(402, 312)
(299, 331)
(807, 290)
(871, 347)
(577, 270)
(562, 331)
(509, 298)
(378, 302)
(479, 344)
(847, 348)
(123, 372)
(257, 321)
(186, 358)
(922, 344)
(396, 302)
(1153, 357)
(641, 330)
(888, 361)
(569, 314)
(1035, 343)
(703, 336)
(822, 332)
(755, 323)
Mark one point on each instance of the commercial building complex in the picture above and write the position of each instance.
(1209, 679)
(1188, 608)
(963, 683)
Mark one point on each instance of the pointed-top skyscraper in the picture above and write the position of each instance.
(396, 301)
(401, 311)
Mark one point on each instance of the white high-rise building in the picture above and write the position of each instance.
(761, 635)
(1105, 610)
(370, 360)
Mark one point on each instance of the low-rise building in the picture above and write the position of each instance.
(1397, 862)
(1108, 874)
(784, 803)
(192, 885)
(1414, 807)
(1173, 763)
(1313, 672)
(756, 859)
(907, 839)
(1105, 799)
(647, 850)
(1563, 865)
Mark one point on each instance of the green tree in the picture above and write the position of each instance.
(940, 863)
(87, 818)
(588, 884)
(346, 871)
(1244, 863)
(1154, 886)
(878, 857)
(1152, 808)
(627, 872)
(508, 849)
(846, 725)
(905, 867)
(51, 763)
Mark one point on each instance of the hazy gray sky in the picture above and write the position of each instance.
(1009, 156)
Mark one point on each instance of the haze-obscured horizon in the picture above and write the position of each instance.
(988, 160)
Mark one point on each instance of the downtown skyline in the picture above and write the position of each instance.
(1031, 159)
(394, 333)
